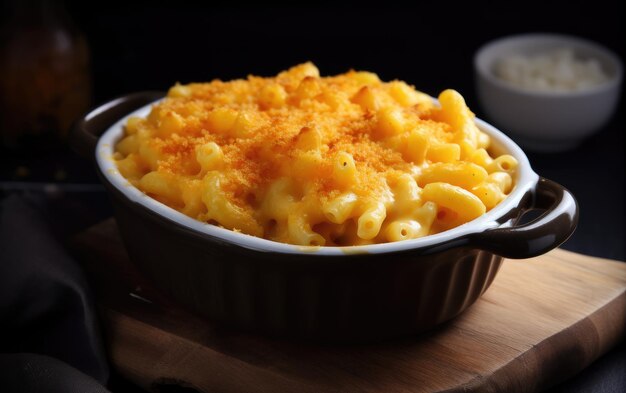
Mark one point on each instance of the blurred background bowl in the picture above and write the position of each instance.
(546, 120)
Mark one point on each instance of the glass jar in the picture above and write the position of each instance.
(45, 73)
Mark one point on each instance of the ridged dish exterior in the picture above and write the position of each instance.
(354, 297)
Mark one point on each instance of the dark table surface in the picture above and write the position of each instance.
(140, 46)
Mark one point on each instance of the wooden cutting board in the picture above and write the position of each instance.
(543, 320)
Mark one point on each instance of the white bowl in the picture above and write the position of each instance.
(546, 120)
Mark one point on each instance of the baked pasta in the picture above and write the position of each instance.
(316, 161)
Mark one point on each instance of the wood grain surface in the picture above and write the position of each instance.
(543, 320)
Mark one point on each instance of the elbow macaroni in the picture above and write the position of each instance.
(316, 161)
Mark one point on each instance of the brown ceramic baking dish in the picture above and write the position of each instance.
(324, 293)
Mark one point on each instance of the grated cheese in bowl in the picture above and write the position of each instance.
(555, 70)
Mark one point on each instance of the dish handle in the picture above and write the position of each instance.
(553, 227)
(83, 135)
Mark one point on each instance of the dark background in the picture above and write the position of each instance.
(138, 45)
(152, 45)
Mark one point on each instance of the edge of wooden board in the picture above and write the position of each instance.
(582, 350)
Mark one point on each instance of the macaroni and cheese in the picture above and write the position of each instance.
(316, 161)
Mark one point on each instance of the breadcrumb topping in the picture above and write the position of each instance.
(270, 112)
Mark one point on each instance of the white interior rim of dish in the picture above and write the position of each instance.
(526, 180)
(503, 45)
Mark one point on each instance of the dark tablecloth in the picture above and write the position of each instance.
(50, 340)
